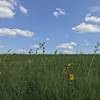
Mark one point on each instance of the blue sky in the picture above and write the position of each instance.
(66, 25)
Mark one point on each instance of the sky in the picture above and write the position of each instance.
(69, 26)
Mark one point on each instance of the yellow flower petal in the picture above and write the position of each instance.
(71, 77)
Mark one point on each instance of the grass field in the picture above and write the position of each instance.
(41, 77)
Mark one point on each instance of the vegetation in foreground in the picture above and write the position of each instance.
(41, 77)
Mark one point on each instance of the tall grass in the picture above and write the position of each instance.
(41, 77)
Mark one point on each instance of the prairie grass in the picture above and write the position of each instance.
(41, 77)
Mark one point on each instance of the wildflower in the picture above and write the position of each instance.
(68, 70)
(71, 77)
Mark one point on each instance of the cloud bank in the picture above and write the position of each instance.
(14, 32)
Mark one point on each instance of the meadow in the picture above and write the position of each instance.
(41, 77)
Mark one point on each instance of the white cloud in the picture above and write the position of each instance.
(86, 28)
(91, 18)
(25, 33)
(68, 52)
(7, 8)
(70, 45)
(11, 1)
(94, 9)
(23, 9)
(59, 12)
(36, 46)
(16, 31)
(6, 3)
(40, 52)
(20, 51)
(6, 13)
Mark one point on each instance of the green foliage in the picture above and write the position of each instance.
(41, 77)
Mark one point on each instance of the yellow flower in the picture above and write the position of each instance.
(71, 77)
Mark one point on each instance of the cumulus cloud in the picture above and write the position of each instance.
(70, 45)
(91, 25)
(68, 52)
(16, 31)
(7, 8)
(94, 9)
(40, 52)
(36, 46)
(59, 12)
(92, 18)
(23, 9)
(86, 28)
(21, 51)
